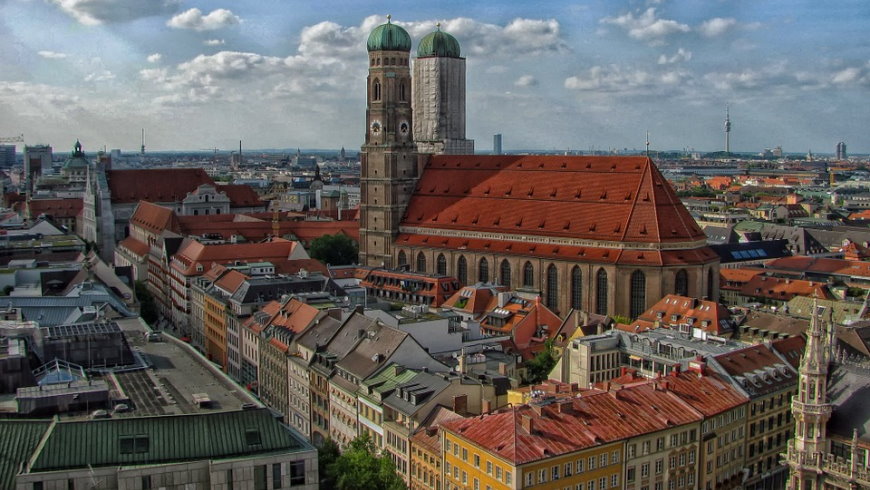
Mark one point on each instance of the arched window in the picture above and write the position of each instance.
(601, 292)
(421, 262)
(376, 90)
(681, 283)
(506, 272)
(441, 265)
(638, 294)
(483, 270)
(402, 92)
(710, 284)
(462, 270)
(552, 287)
(576, 288)
(403, 259)
(528, 275)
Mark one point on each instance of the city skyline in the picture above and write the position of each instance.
(561, 75)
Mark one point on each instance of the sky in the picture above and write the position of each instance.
(548, 75)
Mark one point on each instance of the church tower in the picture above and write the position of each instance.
(810, 408)
(389, 157)
(439, 96)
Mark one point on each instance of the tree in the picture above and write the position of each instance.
(327, 454)
(360, 467)
(147, 308)
(538, 369)
(338, 249)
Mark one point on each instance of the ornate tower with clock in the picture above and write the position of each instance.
(389, 157)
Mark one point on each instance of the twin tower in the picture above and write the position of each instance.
(407, 118)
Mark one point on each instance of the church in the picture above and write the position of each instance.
(602, 234)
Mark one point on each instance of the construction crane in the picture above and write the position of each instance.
(12, 139)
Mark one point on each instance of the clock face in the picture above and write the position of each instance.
(376, 127)
(404, 128)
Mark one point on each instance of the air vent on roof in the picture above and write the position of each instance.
(542, 224)
(618, 228)
(588, 165)
(497, 220)
(509, 191)
(592, 227)
(531, 192)
(603, 195)
(520, 222)
(578, 194)
(567, 225)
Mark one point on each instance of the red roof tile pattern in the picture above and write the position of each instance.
(820, 265)
(709, 393)
(622, 199)
(474, 299)
(135, 246)
(231, 281)
(57, 208)
(756, 368)
(673, 310)
(545, 429)
(278, 251)
(783, 289)
(736, 278)
(155, 184)
(154, 218)
(241, 195)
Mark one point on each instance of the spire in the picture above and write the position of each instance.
(815, 356)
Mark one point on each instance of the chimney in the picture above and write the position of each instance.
(503, 298)
(527, 423)
(486, 406)
(565, 406)
(502, 368)
(460, 403)
(462, 366)
(584, 318)
(600, 329)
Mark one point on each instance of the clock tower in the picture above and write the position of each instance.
(389, 158)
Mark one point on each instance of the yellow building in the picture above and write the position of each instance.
(215, 325)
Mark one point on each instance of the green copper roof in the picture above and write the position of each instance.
(438, 43)
(20, 438)
(389, 37)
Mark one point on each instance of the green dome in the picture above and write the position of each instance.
(389, 37)
(438, 43)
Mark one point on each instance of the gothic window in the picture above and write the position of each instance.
(421, 262)
(576, 288)
(441, 265)
(376, 90)
(681, 283)
(552, 287)
(403, 259)
(710, 284)
(528, 275)
(402, 92)
(601, 292)
(462, 270)
(638, 294)
(483, 270)
(505, 272)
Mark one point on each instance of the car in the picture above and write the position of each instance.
(154, 337)
(121, 407)
(100, 414)
(249, 406)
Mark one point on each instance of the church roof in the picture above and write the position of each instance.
(438, 43)
(602, 199)
(389, 37)
(155, 184)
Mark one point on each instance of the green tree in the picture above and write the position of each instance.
(538, 369)
(327, 454)
(147, 307)
(338, 249)
(360, 467)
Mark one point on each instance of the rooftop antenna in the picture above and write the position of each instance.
(142, 148)
(727, 130)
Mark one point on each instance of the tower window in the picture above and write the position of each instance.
(403, 259)
(601, 296)
(462, 270)
(441, 265)
(421, 262)
(376, 90)
(638, 294)
(681, 283)
(483, 270)
(505, 272)
(576, 287)
(552, 287)
(402, 92)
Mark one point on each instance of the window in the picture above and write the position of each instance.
(552, 287)
(146, 482)
(644, 470)
(276, 475)
(567, 469)
(403, 259)
(260, 477)
(614, 457)
(497, 470)
(601, 290)
(483, 270)
(505, 271)
(508, 477)
(660, 466)
(134, 444)
(528, 275)
(681, 283)
(590, 463)
(462, 270)
(629, 474)
(579, 466)
(402, 92)
(710, 284)
(602, 482)
(376, 90)
(602, 460)
(464, 454)
(542, 475)
(555, 471)
(421, 262)
(530, 478)
(614, 480)
(441, 265)
(638, 294)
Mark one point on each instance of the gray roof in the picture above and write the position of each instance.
(372, 352)
(55, 310)
(849, 392)
(410, 397)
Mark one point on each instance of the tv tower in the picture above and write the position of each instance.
(142, 148)
(727, 131)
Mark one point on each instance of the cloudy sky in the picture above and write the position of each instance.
(550, 74)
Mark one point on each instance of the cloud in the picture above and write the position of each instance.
(610, 78)
(678, 57)
(646, 26)
(194, 19)
(96, 12)
(52, 55)
(717, 26)
(526, 81)
(214, 42)
(100, 76)
(154, 58)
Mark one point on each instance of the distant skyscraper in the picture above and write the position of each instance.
(841, 151)
(727, 130)
(496, 144)
(7, 156)
(37, 161)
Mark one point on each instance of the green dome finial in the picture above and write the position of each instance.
(389, 37)
(438, 43)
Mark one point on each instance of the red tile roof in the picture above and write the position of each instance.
(757, 365)
(154, 218)
(231, 281)
(279, 252)
(596, 198)
(155, 184)
(241, 195)
(820, 265)
(673, 310)
(474, 299)
(57, 208)
(135, 246)
(783, 289)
